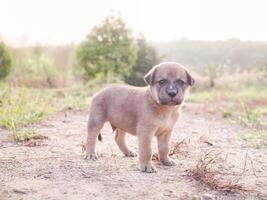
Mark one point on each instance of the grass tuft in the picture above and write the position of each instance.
(250, 118)
(28, 134)
(205, 174)
(21, 107)
(257, 138)
(227, 113)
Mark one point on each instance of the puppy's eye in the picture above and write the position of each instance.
(162, 82)
(180, 82)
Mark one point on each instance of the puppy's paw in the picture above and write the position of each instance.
(168, 162)
(91, 157)
(131, 154)
(148, 169)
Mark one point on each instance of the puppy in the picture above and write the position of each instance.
(142, 111)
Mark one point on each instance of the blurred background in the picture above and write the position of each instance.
(58, 53)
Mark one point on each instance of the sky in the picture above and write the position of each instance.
(65, 21)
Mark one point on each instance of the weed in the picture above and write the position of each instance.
(203, 172)
(26, 135)
(205, 96)
(227, 113)
(257, 138)
(250, 118)
(176, 148)
(21, 107)
(71, 98)
(218, 94)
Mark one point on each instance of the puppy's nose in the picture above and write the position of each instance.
(172, 93)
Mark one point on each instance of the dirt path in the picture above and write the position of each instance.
(54, 169)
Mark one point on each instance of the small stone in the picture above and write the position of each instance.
(207, 196)
(196, 197)
(20, 191)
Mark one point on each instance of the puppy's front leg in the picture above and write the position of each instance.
(145, 152)
(164, 149)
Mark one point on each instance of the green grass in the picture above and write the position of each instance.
(227, 113)
(250, 118)
(20, 107)
(76, 98)
(252, 92)
(203, 96)
(257, 138)
(27, 134)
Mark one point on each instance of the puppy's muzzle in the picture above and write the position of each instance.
(172, 92)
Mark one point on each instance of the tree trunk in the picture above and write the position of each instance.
(212, 82)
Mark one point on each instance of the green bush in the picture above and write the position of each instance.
(42, 66)
(108, 50)
(21, 106)
(147, 57)
(34, 69)
(5, 61)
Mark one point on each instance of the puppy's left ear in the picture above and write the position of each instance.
(150, 76)
(190, 79)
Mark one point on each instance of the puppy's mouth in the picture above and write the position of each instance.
(170, 102)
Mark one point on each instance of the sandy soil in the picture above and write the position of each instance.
(54, 168)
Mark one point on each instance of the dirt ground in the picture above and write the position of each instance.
(54, 168)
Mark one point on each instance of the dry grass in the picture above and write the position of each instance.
(213, 179)
(27, 135)
(176, 148)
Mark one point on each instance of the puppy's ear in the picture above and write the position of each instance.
(190, 79)
(150, 76)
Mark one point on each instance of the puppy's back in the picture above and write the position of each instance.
(119, 93)
(115, 102)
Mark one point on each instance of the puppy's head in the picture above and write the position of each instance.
(168, 83)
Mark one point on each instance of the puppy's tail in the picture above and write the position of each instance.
(99, 137)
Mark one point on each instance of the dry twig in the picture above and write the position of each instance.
(203, 172)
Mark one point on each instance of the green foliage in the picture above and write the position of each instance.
(264, 69)
(34, 68)
(71, 98)
(250, 118)
(5, 61)
(108, 50)
(202, 96)
(237, 87)
(257, 138)
(20, 107)
(212, 71)
(26, 135)
(227, 113)
(43, 66)
(147, 57)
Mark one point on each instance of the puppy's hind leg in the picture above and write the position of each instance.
(95, 123)
(120, 139)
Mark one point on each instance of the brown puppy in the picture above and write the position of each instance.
(141, 111)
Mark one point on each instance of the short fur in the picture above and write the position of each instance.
(142, 111)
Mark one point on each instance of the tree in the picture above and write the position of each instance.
(108, 50)
(147, 57)
(212, 72)
(5, 61)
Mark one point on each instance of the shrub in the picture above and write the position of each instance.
(5, 61)
(108, 50)
(147, 57)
